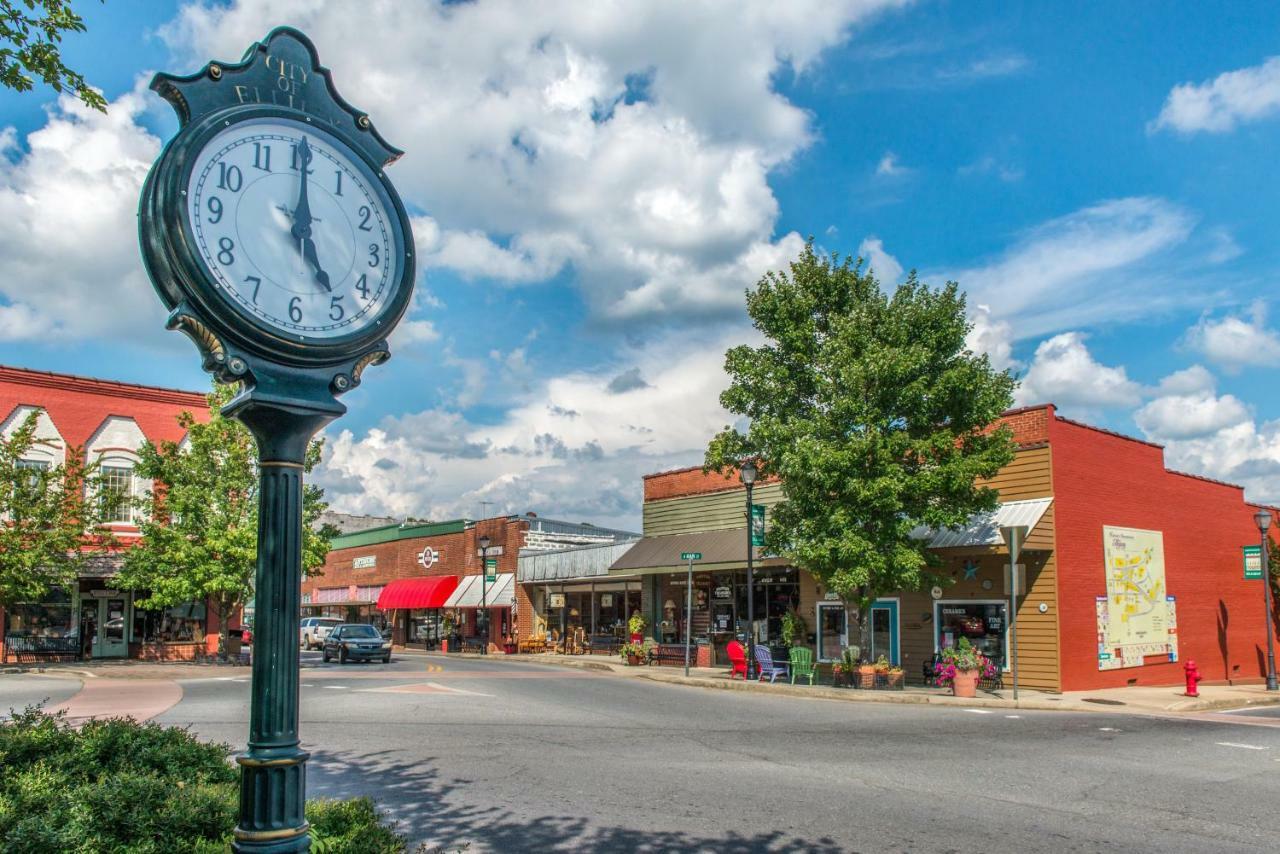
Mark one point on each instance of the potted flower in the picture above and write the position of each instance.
(446, 633)
(794, 629)
(636, 625)
(634, 653)
(960, 667)
(896, 678)
(843, 670)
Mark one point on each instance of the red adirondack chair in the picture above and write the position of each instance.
(737, 660)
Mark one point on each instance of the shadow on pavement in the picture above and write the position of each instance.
(415, 794)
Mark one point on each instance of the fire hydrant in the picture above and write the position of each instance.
(1193, 679)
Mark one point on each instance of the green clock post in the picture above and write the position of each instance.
(277, 243)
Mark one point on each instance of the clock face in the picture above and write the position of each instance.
(295, 230)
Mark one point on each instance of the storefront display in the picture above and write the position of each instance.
(985, 624)
(180, 624)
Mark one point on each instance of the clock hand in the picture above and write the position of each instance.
(302, 211)
(308, 247)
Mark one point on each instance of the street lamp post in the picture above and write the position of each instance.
(1263, 520)
(484, 590)
(748, 474)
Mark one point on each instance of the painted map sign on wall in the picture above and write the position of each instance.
(1137, 617)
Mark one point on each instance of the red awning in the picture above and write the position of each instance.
(430, 592)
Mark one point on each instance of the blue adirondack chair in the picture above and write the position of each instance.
(764, 661)
(802, 664)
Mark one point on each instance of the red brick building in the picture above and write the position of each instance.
(109, 421)
(421, 578)
(1131, 569)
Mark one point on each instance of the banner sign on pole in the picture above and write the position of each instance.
(1252, 562)
(757, 524)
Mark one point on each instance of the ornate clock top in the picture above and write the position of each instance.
(282, 71)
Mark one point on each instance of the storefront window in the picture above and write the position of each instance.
(51, 618)
(983, 623)
(612, 608)
(425, 626)
(179, 624)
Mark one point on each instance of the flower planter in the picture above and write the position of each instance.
(866, 676)
(509, 648)
(965, 683)
(633, 660)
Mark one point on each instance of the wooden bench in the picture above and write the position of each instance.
(672, 654)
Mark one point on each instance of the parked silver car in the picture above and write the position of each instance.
(313, 630)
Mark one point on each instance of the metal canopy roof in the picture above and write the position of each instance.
(495, 594)
(984, 529)
(726, 549)
(586, 562)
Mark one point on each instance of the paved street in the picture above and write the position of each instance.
(509, 756)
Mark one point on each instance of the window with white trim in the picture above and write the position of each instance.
(115, 491)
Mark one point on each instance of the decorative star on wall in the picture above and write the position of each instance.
(970, 570)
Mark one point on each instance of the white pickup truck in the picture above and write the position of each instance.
(313, 630)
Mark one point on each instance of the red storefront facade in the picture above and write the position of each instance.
(109, 421)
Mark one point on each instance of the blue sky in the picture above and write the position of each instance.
(594, 188)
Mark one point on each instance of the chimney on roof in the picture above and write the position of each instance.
(532, 515)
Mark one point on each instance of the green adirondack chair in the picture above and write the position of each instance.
(802, 664)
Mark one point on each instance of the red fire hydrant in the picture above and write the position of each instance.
(1193, 679)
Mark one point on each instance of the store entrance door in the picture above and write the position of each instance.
(884, 630)
(833, 631)
(113, 623)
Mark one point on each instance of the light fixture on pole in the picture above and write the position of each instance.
(1014, 536)
(1263, 520)
(484, 592)
(748, 473)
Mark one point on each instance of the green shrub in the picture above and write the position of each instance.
(356, 826)
(128, 788)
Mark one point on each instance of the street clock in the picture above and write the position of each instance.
(273, 236)
(269, 226)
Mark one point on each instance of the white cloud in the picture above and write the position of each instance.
(993, 337)
(1212, 435)
(1064, 372)
(1235, 342)
(996, 65)
(1088, 266)
(890, 166)
(885, 266)
(1220, 104)
(629, 144)
(69, 261)
(575, 445)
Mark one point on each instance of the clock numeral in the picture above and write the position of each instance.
(295, 310)
(295, 160)
(262, 157)
(335, 308)
(226, 253)
(362, 285)
(338, 173)
(257, 283)
(365, 213)
(229, 178)
(215, 208)
(374, 256)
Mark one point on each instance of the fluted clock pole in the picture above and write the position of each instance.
(273, 769)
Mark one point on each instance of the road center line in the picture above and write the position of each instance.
(1242, 746)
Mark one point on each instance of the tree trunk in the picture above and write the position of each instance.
(224, 631)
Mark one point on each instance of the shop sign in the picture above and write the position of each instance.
(365, 562)
(936, 592)
(757, 524)
(831, 596)
(606, 600)
(723, 593)
(492, 550)
(556, 600)
(428, 557)
(1252, 562)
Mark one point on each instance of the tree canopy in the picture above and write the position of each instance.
(46, 513)
(868, 406)
(30, 47)
(200, 534)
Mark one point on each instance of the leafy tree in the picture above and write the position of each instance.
(872, 412)
(30, 38)
(200, 535)
(46, 517)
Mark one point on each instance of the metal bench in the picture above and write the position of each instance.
(26, 649)
(603, 644)
(671, 654)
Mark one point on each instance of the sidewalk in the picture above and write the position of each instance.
(1142, 700)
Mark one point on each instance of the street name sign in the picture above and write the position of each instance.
(691, 556)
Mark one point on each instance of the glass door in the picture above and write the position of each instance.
(113, 640)
(884, 630)
(833, 632)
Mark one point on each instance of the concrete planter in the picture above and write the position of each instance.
(965, 684)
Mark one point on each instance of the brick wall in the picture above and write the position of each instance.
(1101, 478)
